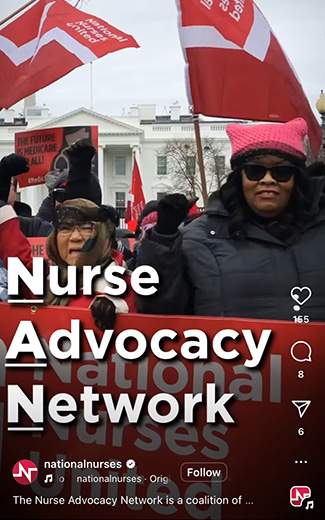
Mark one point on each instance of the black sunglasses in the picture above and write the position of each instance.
(280, 173)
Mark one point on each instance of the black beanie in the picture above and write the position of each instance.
(151, 206)
(84, 188)
(112, 215)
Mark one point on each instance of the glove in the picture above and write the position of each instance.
(10, 166)
(13, 164)
(80, 155)
(172, 210)
(104, 312)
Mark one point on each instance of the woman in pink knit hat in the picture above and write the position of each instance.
(262, 235)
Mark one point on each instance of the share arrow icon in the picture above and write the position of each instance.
(301, 406)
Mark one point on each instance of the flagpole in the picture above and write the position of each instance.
(200, 158)
(91, 86)
(17, 11)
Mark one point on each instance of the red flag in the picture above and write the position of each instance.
(236, 67)
(136, 200)
(48, 41)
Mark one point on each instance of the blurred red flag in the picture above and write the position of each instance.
(136, 200)
(48, 41)
(236, 67)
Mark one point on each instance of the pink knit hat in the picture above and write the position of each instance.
(149, 221)
(286, 138)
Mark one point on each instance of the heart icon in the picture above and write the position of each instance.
(301, 294)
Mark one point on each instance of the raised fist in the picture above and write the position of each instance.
(80, 153)
(172, 210)
(10, 166)
(13, 164)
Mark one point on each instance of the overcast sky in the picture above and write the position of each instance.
(155, 72)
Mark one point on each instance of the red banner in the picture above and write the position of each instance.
(46, 150)
(184, 468)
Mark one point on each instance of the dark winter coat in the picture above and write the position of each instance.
(46, 210)
(35, 227)
(205, 271)
(22, 209)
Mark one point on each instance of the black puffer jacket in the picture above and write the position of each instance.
(204, 271)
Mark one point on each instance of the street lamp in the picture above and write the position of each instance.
(320, 105)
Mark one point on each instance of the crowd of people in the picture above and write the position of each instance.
(261, 234)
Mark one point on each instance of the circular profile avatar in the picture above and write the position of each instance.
(25, 472)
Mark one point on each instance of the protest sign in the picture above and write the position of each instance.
(38, 246)
(46, 150)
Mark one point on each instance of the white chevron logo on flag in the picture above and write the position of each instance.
(43, 18)
(48, 41)
(29, 50)
(19, 55)
(257, 42)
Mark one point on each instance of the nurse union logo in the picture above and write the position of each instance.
(24, 472)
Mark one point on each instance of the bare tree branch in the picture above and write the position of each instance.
(182, 165)
(310, 156)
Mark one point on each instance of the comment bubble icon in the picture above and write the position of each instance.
(301, 351)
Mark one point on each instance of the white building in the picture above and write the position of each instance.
(141, 131)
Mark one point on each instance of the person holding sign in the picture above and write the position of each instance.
(262, 235)
(78, 182)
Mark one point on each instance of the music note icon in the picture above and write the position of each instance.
(310, 504)
(48, 478)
